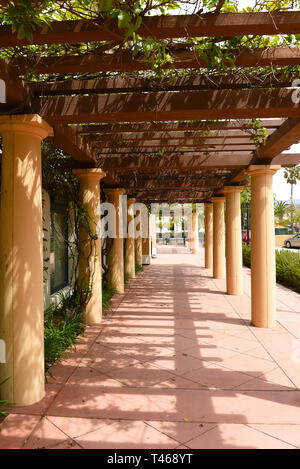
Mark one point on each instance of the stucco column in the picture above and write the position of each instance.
(116, 252)
(189, 231)
(146, 239)
(218, 237)
(138, 238)
(234, 262)
(208, 214)
(194, 234)
(263, 268)
(130, 241)
(21, 259)
(90, 267)
(153, 227)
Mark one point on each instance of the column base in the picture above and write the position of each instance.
(146, 259)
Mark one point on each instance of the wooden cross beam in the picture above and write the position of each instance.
(287, 135)
(129, 84)
(124, 164)
(179, 148)
(174, 126)
(123, 62)
(170, 106)
(162, 27)
(233, 135)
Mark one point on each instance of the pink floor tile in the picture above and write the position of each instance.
(15, 429)
(75, 427)
(45, 434)
(130, 434)
(236, 437)
(176, 364)
(286, 433)
(182, 431)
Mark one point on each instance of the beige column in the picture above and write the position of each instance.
(90, 266)
(234, 261)
(153, 227)
(263, 267)
(116, 252)
(194, 234)
(138, 239)
(146, 239)
(189, 239)
(130, 241)
(218, 237)
(21, 259)
(208, 213)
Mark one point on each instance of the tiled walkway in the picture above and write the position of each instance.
(177, 365)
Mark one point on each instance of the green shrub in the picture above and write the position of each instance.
(138, 268)
(107, 294)
(287, 267)
(2, 402)
(59, 335)
(246, 255)
(126, 278)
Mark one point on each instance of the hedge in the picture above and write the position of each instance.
(287, 267)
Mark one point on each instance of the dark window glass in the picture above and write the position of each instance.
(58, 247)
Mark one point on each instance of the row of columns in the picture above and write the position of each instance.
(21, 255)
(223, 248)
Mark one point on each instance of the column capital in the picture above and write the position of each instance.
(89, 173)
(258, 170)
(114, 191)
(29, 124)
(216, 200)
(231, 189)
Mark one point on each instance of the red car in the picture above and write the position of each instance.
(244, 236)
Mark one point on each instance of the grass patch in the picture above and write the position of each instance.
(63, 324)
(138, 268)
(287, 267)
(126, 278)
(2, 403)
(107, 294)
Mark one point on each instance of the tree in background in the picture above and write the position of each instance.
(281, 210)
(292, 176)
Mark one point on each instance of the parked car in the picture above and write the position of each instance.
(244, 236)
(293, 242)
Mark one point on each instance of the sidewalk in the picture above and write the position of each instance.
(176, 365)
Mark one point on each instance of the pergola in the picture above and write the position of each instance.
(189, 140)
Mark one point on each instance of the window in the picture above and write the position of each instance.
(58, 247)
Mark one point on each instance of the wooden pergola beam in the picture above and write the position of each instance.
(171, 184)
(17, 93)
(123, 62)
(162, 27)
(192, 105)
(190, 148)
(174, 126)
(123, 85)
(125, 164)
(183, 200)
(190, 152)
(233, 135)
(172, 194)
(287, 135)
